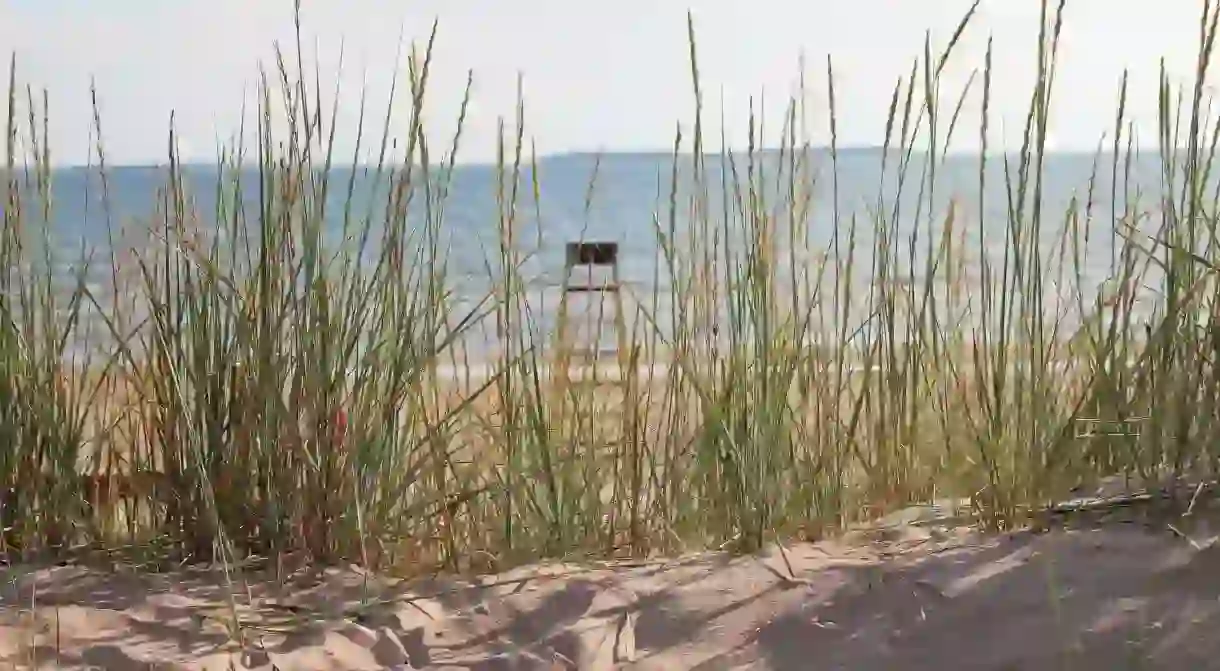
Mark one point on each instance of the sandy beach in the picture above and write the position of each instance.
(1130, 586)
(368, 361)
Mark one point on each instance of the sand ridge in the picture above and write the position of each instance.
(1120, 590)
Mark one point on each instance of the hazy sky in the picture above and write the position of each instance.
(597, 76)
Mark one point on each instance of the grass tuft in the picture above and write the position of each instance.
(267, 378)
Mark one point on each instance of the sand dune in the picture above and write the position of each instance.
(1119, 590)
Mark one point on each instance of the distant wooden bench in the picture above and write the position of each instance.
(1092, 427)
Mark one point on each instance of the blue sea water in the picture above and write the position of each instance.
(622, 198)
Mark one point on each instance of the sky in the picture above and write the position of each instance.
(605, 76)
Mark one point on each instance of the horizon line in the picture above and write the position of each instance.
(669, 153)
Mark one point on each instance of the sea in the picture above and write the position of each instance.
(634, 201)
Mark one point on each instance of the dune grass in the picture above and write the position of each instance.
(273, 395)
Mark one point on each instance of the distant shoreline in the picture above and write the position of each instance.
(660, 153)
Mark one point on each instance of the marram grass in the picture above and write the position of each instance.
(253, 392)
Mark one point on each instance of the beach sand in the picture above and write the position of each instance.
(1119, 589)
